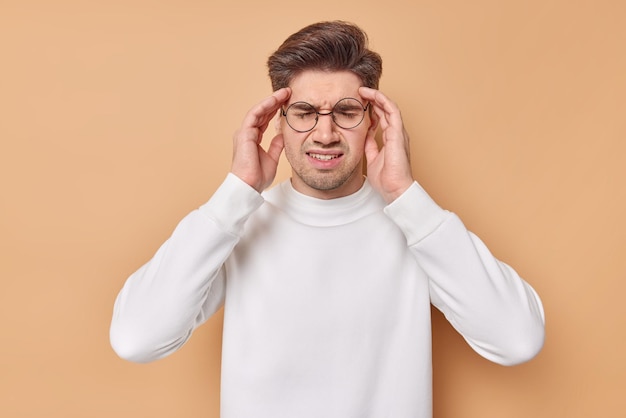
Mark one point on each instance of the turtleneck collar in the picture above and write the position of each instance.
(325, 212)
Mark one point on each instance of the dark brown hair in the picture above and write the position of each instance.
(326, 46)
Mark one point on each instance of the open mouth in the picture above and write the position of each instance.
(323, 157)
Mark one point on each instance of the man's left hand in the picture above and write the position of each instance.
(388, 168)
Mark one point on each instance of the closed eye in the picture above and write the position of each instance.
(304, 115)
(347, 114)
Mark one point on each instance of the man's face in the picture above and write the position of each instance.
(326, 161)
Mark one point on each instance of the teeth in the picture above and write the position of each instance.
(323, 157)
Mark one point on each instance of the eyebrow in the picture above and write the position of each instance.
(348, 106)
(302, 104)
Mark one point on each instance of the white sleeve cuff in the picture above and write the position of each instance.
(415, 213)
(232, 203)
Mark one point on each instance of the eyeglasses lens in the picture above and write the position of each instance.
(347, 113)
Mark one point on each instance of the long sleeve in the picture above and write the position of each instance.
(183, 284)
(485, 300)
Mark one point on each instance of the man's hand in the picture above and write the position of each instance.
(251, 163)
(388, 168)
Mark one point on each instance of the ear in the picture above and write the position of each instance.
(373, 120)
(278, 123)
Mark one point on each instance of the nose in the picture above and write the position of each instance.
(325, 131)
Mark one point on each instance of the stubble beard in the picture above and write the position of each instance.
(322, 180)
(326, 180)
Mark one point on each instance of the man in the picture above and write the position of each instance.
(326, 279)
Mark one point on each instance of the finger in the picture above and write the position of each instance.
(276, 147)
(371, 96)
(260, 115)
(383, 106)
(378, 97)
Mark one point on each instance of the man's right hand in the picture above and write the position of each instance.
(251, 163)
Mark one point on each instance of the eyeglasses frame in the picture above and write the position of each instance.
(283, 112)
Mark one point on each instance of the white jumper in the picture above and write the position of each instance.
(326, 302)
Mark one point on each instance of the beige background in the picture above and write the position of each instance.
(116, 120)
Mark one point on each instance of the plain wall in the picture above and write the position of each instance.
(116, 119)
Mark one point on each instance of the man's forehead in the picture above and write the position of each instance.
(323, 103)
(324, 88)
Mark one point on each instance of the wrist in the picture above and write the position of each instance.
(250, 179)
(392, 194)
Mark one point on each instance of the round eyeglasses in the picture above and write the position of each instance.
(347, 113)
